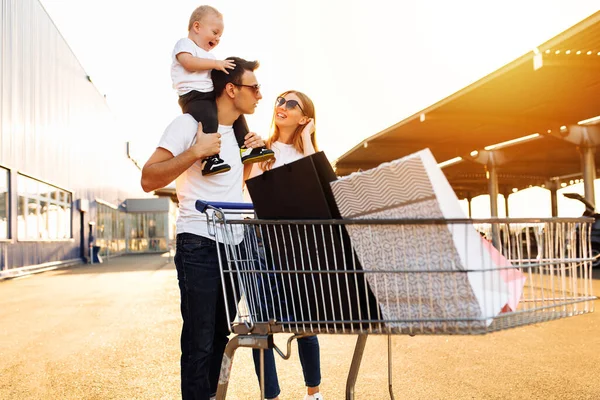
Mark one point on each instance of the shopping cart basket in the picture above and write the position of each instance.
(308, 277)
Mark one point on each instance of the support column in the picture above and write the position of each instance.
(470, 206)
(589, 172)
(127, 233)
(506, 194)
(553, 187)
(492, 175)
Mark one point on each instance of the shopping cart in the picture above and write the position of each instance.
(308, 277)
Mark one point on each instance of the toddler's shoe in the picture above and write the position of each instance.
(214, 165)
(256, 154)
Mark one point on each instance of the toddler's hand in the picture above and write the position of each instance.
(224, 65)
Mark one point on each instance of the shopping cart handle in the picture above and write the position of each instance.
(202, 205)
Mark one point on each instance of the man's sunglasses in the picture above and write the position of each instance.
(289, 104)
(255, 87)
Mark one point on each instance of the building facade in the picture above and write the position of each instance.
(64, 170)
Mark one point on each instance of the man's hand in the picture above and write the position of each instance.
(224, 65)
(252, 140)
(206, 144)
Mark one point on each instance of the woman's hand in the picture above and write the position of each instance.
(309, 128)
(307, 141)
(253, 140)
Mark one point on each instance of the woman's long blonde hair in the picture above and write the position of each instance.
(309, 111)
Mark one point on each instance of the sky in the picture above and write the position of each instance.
(365, 64)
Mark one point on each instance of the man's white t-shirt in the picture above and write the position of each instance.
(191, 185)
(185, 81)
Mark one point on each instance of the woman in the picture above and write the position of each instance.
(293, 131)
(292, 137)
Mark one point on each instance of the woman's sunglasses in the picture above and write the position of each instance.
(289, 104)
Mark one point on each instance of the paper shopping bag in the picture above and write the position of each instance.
(298, 190)
(514, 279)
(448, 280)
(320, 274)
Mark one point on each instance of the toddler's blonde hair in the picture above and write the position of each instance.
(202, 12)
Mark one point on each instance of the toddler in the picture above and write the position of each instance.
(190, 72)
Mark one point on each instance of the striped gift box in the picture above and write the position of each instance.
(414, 187)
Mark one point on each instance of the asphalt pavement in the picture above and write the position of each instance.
(111, 331)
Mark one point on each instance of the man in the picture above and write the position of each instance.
(179, 156)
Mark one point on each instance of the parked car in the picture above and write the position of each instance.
(590, 211)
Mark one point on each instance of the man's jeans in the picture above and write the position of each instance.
(205, 324)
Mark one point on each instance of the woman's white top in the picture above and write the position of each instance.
(285, 154)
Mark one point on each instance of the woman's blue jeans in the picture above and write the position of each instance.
(274, 306)
(308, 350)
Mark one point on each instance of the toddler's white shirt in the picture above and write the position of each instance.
(185, 81)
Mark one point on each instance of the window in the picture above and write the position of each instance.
(147, 232)
(43, 210)
(4, 202)
(110, 229)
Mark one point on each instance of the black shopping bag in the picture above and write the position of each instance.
(298, 190)
(319, 276)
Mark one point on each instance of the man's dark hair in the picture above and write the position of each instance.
(220, 78)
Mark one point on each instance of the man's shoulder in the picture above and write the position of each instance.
(179, 134)
(183, 126)
(183, 121)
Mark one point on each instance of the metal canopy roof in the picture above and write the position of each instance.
(546, 93)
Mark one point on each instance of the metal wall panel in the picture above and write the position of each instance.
(55, 126)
